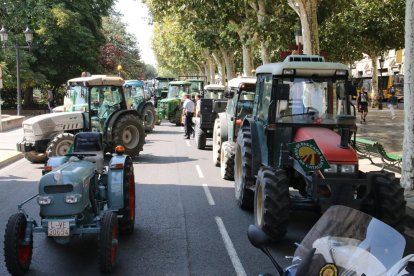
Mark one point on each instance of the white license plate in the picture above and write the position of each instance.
(58, 228)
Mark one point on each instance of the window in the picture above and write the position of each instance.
(264, 97)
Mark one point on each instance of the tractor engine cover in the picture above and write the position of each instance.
(66, 188)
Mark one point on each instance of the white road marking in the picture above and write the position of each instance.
(208, 195)
(230, 248)
(188, 143)
(200, 173)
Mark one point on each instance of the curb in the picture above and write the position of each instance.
(11, 159)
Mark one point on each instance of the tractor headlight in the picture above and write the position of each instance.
(72, 199)
(347, 168)
(44, 200)
(332, 169)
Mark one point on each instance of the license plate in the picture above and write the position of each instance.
(58, 228)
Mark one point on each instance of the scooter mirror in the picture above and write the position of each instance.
(257, 237)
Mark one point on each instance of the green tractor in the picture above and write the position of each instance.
(226, 126)
(294, 152)
(161, 88)
(211, 104)
(197, 84)
(170, 108)
(138, 100)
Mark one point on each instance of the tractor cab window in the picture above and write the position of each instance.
(214, 94)
(105, 99)
(264, 98)
(176, 91)
(245, 104)
(196, 86)
(76, 99)
(134, 94)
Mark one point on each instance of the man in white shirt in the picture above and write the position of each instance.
(188, 109)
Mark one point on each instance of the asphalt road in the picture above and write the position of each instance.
(187, 221)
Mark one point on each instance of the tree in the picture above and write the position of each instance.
(407, 174)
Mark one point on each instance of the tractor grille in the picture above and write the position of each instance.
(58, 189)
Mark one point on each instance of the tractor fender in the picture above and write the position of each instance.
(224, 132)
(109, 124)
(256, 147)
(116, 177)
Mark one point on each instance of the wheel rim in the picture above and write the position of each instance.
(148, 118)
(259, 205)
(128, 137)
(114, 243)
(24, 251)
(63, 147)
(237, 172)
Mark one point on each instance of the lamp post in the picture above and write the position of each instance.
(119, 68)
(299, 39)
(381, 92)
(29, 39)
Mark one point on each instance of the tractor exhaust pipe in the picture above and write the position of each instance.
(345, 136)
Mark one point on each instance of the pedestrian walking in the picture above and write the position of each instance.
(362, 103)
(198, 105)
(50, 101)
(188, 109)
(392, 102)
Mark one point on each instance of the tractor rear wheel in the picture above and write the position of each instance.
(271, 202)
(129, 132)
(178, 118)
(148, 116)
(216, 143)
(243, 178)
(60, 144)
(200, 137)
(17, 251)
(127, 222)
(227, 161)
(385, 200)
(108, 242)
(36, 157)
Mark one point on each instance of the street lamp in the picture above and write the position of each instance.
(4, 36)
(381, 92)
(119, 68)
(299, 39)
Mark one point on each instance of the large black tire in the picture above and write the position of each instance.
(243, 178)
(108, 242)
(271, 203)
(178, 117)
(200, 138)
(148, 116)
(385, 200)
(60, 144)
(129, 132)
(17, 254)
(36, 157)
(127, 222)
(217, 142)
(227, 160)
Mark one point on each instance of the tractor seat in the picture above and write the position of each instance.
(90, 143)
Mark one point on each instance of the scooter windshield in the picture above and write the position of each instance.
(351, 242)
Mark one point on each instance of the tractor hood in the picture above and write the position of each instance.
(169, 100)
(47, 125)
(328, 141)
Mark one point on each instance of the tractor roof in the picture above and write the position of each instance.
(165, 78)
(214, 87)
(96, 80)
(133, 83)
(236, 82)
(180, 83)
(304, 66)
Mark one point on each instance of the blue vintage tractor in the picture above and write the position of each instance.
(80, 196)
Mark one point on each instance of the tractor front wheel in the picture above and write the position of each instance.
(385, 200)
(216, 143)
(271, 202)
(36, 157)
(108, 242)
(148, 115)
(227, 161)
(243, 178)
(60, 144)
(17, 250)
(129, 132)
(127, 222)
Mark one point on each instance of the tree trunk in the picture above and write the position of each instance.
(261, 17)
(228, 57)
(407, 172)
(307, 11)
(247, 57)
(221, 67)
(212, 70)
(375, 95)
(28, 97)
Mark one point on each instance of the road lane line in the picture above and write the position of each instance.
(210, 198)
(200, 173)
(230, 248)
(188, 143)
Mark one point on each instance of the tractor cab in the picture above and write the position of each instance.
(177, 89)
(134, 93)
